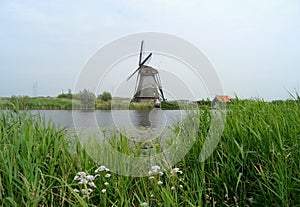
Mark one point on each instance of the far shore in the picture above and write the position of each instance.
(55, 103)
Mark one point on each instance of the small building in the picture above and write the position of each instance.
(225, 99)
(219, 99)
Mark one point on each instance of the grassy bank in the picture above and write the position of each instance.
(256, 163)
(50, 103)
(40, 103)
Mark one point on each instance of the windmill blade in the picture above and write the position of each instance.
(141, 53)
(147, 58)
(162, 94)
(133, 74)
(158, 84)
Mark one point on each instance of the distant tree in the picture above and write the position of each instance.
(87, 99)
(204, 102)
(67, 96)
(105, 96)
(63, 95)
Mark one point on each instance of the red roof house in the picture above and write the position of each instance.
(219, 100)
(222, 99)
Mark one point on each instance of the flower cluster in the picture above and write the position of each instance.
(155, 170)
(175, 170)
(155, 173)
(170, 179)
(84, 178)
(86, 181)
(103, 169)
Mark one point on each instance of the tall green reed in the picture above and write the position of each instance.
(255, 163)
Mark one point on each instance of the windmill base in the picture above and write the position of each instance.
(154, 102)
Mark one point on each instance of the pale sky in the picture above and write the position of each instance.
(254, 45)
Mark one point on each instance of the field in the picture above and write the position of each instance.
(256, 163)
(39, 103)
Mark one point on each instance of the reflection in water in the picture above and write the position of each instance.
(144, 124)
(140, 118)
(155, 118)
(137, 124)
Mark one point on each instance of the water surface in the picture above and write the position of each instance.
(138, 124)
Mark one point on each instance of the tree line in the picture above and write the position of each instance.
(87, 98)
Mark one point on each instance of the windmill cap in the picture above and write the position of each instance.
(147, 70)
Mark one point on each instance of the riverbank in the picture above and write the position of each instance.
(256, 163)
(51, 103)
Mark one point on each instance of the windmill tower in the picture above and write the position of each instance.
(148, 85)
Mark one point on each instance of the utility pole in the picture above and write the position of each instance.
(34, 89)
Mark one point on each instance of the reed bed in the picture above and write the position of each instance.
(256, 163)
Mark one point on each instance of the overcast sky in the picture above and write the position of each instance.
(254, 45)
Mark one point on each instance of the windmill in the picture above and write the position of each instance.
(148, 87)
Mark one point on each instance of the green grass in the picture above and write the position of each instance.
(257, 157)
(256, 163)
(51, 103)
(40, 103)
(116, 104)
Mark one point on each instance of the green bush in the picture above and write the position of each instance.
(105, 96)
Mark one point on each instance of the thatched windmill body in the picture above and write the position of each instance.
(148, 85)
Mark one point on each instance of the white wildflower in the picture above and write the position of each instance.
(144, 204)
(226, 196)
(207, 198)
(106, 183)
(181, 186)
(101, 168)
(151, 177)
(151, 195)
(90, 177)
(103, 190)
(174, 170)
(83, 181)
(81, 174)
(161, 173)
(92, 184)
(86, 191)
(154, 170)
(107, 175)
(172, 188)
(251, 200)
(235, 199)
(76, 190)
(159, 182)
